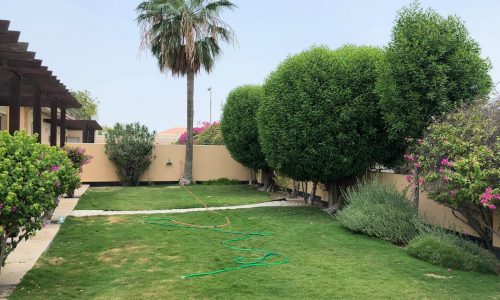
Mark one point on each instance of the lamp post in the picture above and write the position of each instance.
(210, 90)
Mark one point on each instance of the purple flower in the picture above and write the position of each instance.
(1, 205)
(55, 168)
(13, 209)
(57, 184)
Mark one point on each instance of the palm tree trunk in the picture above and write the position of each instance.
(188, 166)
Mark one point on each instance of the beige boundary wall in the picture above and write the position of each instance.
(431, 211)
(210, 162)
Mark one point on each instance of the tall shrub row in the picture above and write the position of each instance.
(328, 115)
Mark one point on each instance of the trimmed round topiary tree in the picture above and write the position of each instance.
(432, 66)
(239, 127)
(319, 120)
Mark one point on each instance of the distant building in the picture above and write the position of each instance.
(170, 136)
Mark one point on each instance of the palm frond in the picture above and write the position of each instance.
(184, 35)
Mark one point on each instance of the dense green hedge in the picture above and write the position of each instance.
(432, 65)
(239, 126)
(319, 119)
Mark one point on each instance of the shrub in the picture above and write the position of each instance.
(210, 136)
(78, 157)
(31, 176)
(460, 164)
(381, 211)
(432, 65)
(196, 132)
(450, 251)
(130, 148)
(239, 126)
(319, 120)
(221, 181)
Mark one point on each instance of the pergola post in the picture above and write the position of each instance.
(37, 114)
(92, 136)
(15, 104)
(85, 136)
(62, 140)
(53, 123)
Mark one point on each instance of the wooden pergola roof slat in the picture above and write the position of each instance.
(9, 37)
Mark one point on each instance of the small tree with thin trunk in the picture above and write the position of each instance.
(184, 37)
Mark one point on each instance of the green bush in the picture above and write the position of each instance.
(451, 251)
(319, 120)
(432, 65)
(239, 126)
(130, 148)
(381, 211)
(221, 181)
(31, 176)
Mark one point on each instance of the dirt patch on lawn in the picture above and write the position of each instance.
(52, 261)
(116, 257)
(115, 220)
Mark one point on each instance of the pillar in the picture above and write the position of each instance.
(62, 140)
(53, 123)
(15, 104)
(37, 115)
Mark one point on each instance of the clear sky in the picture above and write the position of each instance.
(93, 45)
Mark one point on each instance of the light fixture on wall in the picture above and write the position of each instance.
(169, 163)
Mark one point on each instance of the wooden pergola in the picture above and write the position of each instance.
(24, 81)
(87, 126)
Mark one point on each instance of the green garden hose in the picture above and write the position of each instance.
(241, 262)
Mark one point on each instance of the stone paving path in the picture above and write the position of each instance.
(91, 213)
(24, 257)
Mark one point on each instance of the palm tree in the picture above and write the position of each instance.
(184, 36)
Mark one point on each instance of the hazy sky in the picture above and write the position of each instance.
(93, 45)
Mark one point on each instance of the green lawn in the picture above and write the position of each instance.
(168, 197)
(121, 257)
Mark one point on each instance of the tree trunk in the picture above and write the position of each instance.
(313, 193)
(304, 191)
(188, 165)
(252, 176)
(3, 248)
(416, 189)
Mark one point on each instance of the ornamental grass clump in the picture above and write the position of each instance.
(31, 177)
(381, 211)
(451, 251)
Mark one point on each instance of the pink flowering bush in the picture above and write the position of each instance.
(209, 133)
(78, 157)
(459, 164)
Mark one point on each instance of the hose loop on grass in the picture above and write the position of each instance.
(242, 261)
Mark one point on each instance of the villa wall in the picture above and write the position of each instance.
(210, 162)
